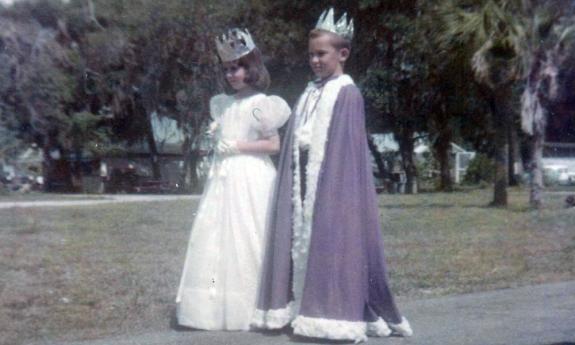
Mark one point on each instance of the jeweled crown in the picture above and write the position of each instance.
(342, 27)
(234, 44)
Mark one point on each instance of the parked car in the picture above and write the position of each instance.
(566, 178)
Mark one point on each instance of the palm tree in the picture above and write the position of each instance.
(524, 41)
(481, 29)
(546, 42)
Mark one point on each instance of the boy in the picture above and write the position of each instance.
(324, 269)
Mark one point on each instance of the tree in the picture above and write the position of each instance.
(397, 89)
(436, 76)
(485, 28)
(524, 41)
(158, 60)
(546, 42)
(39, 85)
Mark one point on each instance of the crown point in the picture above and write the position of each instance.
(234, 44)
(342, 27)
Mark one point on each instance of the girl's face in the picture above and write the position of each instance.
(324, 59)
(235, 75)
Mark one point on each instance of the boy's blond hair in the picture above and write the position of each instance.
(337, 41)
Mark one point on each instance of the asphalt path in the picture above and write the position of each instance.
(531, 315)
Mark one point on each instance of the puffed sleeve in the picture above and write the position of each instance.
(271, 113)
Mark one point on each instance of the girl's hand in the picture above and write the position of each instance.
(227, 147)
(212, 129)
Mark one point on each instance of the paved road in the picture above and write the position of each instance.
(87, 200)
(535, 315)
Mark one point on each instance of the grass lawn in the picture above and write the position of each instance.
(86, 272)
(439, 244)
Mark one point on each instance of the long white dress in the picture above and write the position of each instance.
(221, 273)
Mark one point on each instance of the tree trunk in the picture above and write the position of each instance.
(442, 148)
(194, 160)
(184, 179)
(154, 157)
(406, 148)
(76, 160)
(440, 127)
(500, 120)
(514, 157)
(77, 176)
(91, 13)
(535, 195)
(47, 166)
(533, 120)
(381, 170)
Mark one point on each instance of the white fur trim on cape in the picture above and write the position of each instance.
(378, 328)
(303, 210)
(330, 329)
(358, 331)
(273, 319)
(403, 328)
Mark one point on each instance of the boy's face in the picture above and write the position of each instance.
(324, 59)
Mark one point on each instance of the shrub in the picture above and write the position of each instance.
(481, 170)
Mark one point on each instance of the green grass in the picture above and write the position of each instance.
(440, 244)
(85, 272)
(74, 273)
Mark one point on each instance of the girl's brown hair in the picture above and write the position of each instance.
(258, 76)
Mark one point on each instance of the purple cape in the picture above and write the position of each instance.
(346, 278)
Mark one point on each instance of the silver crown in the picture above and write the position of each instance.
(235, 44)
(342, 27)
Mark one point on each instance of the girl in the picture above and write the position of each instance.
(222, 268)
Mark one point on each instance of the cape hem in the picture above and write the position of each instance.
(339, 329)
(273, 318)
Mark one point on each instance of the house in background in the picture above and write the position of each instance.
(127, 169)
(25, 171)
(131, 171)
(389, 151)
(459, 160)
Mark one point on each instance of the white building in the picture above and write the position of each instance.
(460, 159)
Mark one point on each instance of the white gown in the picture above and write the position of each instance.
(221, 273)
